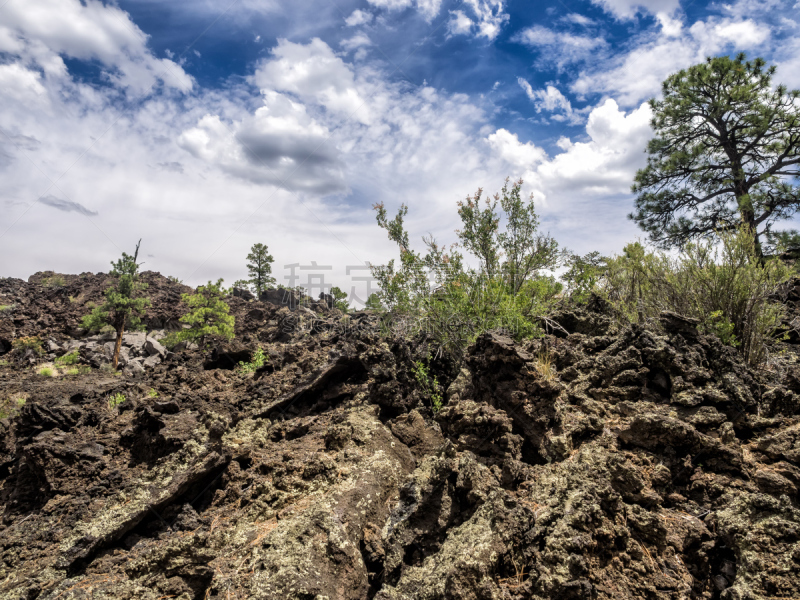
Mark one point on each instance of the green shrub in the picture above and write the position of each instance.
(53, 281)
(436, 295)
(68, 359)
(5, 307)
(208, 318)
(430, 385)
(81, 370)
(46, 371)
(9, 407)
(115, 400)
(28, 343)
(259, 360)
(152, 393)
(727, 287)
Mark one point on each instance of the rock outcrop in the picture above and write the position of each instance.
(603, 462)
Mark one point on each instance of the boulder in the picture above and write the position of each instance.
(153, 347)
(152, 361)
(135, 339)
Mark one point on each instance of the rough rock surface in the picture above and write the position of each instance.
(604, 463)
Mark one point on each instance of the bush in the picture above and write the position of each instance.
(28, 343)
(9, 408)
(46, 372)
(429, 384)
(53, 281)
(728, 288)
(259, 360)
(435, 295)
(68, 359)
(152, 393)
(7, 307)
(115, 400)
(208, 317)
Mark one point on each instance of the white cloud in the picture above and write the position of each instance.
(359, 17)
(41, 30)
(582, 191)
(489, 17)
(522, 156)
(459, 24)
(312, 71)
(427, 8)
(563, 47)
(627, 9)
(279, 145)
(550, 99)
(638, 74)
(577, 19)
(20, 83)
(360, 40)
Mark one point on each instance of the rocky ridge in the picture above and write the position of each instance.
(603, 463)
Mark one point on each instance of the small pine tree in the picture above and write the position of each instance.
(259, 266)
(124, 305)
(208, 316)
(339, 299)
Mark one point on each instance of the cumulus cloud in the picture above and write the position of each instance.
(485, 19)
(359, 17)
(638, 74)
(579, 188)
(566, 48)
(67, 205)
(41, 31)
(279, 144)
(550, 99)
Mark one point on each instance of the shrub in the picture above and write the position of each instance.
(5, 307)
(46, 372)
(9, 408)
(152, 393)
(53, 281)
(115, 400)
(28, 343)
(430, 385)
(727, 287)
(81, 370)
(68, 359)
(259, 360)
(434, 294)
(208, 317)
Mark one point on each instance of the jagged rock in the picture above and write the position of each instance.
(154, 347)
(599, 462)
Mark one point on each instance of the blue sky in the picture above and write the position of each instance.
(206, 126)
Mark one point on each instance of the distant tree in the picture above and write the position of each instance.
(726, 152)
(339, 299)
(259, 267)
(374, 303)
(208, 318)
(124, 305)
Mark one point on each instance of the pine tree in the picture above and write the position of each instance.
(209, 316)
(726, 152)
(124, 305)
(259, 267)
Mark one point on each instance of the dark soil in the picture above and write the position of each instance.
(607, 463)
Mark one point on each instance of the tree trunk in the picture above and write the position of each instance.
(120, 331)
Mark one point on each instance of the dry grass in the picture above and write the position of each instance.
(544, 365)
